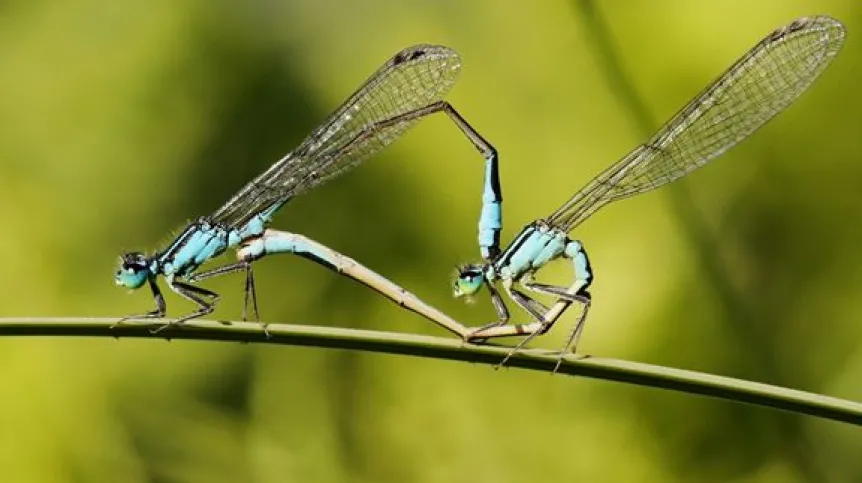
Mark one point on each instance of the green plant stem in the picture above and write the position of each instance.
(453, 349)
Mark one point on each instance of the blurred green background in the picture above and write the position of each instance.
(123, 120)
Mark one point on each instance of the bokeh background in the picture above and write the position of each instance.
(120, 121)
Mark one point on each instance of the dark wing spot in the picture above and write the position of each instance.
(406, 55)
(798, 24)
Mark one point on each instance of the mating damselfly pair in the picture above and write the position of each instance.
(412, 85)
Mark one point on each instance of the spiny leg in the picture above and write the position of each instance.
(575, 335)
(545, 317)
(580, 295)
(157, 313)
(193, 294)
(224, 269)
(499, 307)
(250, 292)
(537, 311)
(232, 268)
(535, 306)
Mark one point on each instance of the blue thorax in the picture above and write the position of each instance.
(204, 240)
(535, 246)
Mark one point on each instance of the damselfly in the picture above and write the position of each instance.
(758, 86)
(408, 87)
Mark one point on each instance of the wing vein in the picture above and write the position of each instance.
(412, 79)
(762, 83)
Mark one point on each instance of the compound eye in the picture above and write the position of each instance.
(131, 269)
(468, 282)
(134, 261)
(134, 270)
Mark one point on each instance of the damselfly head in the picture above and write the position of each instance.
(469, 280)
(134, 270)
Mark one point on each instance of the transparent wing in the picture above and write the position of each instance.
(758, 86)
(373, 117)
